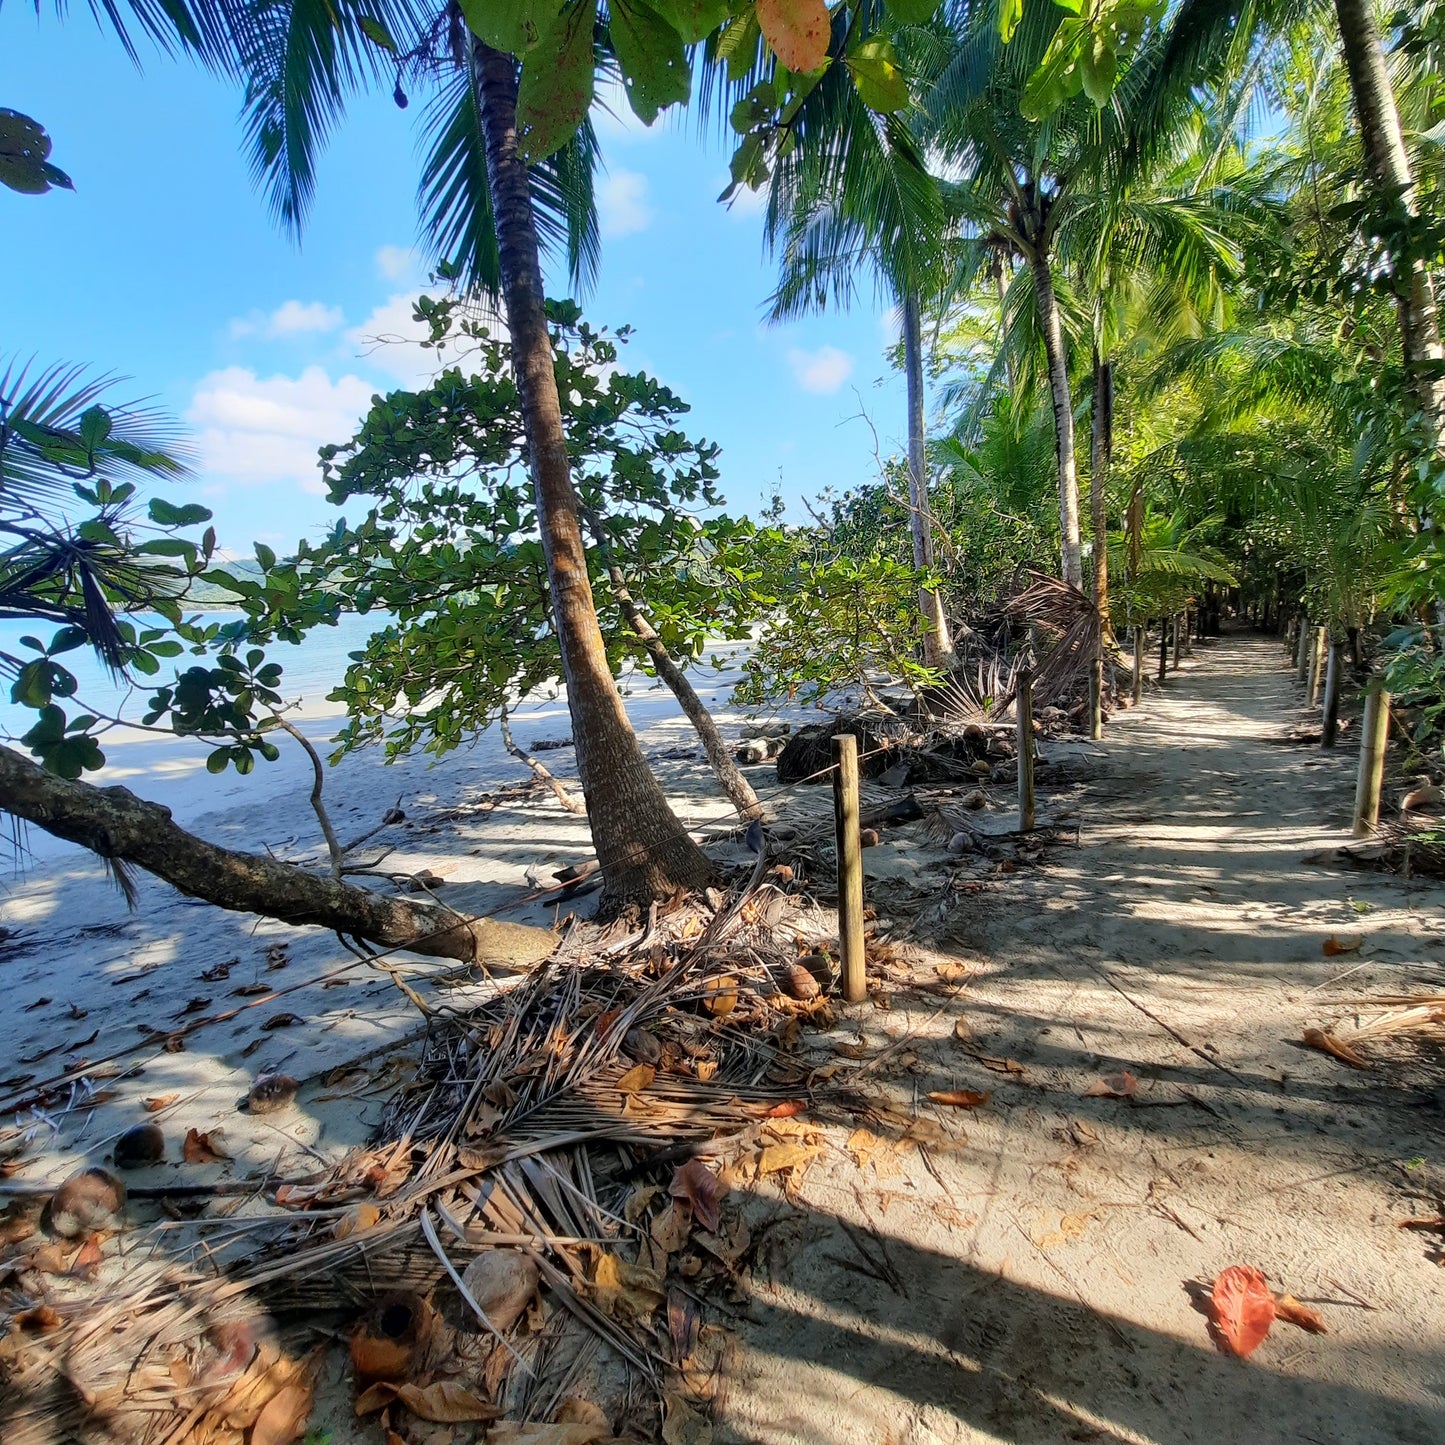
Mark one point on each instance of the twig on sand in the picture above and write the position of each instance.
(1168, 1028)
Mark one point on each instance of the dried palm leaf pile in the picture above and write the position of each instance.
(1420, 1017)
(522, 1253)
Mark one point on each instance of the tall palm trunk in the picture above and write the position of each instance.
(1390, 166)
(1101, 461)
(1052, 324)
(644, 852)
(937, 646)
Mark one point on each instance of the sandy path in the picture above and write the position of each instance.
(1041, 1276)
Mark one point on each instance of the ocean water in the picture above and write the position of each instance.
(311, 669)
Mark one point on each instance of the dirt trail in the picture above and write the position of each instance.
(1040, 1280)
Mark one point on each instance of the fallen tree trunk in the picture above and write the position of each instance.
(117, 825)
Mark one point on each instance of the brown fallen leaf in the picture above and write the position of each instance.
(626, 1291)
(962, 1098)
(356, 1220)
(1122, 1085)
(702, 1189)
(963, 1031)
(37, 1319)
(636, 1079)
(444, 1402)
(251, 990)
(682, 1425)
(1242, 1309)
(1332, 947)
(787, 1109)
(1427, 1221)
(1327, 1043)
(1289, 1309)
(157, 1102)
(283, 1417)
(774, 1158)
(1000, 1066)
(720, 995)
(706, 1068)
(281, 1021)
(576, 1432)
(203, 1148)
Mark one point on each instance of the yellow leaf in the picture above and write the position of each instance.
(798, 31)
(626, 1291)
(283, 1417)
(636, 1079)
(777, 1157)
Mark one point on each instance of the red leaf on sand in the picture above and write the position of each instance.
(202, 1148)
(702, 1189)
(1241, 1309)
(786, 1109)
(1122, 1085)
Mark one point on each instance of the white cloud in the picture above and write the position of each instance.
(389, 341)
(290, 318)
(745, 203)
(822, 371)
(267, 429)
(622, 204)
(614, 120)
(396, 262)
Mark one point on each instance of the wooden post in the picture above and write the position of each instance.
(850, 866)
(1163, 648)
(1178, 643)
(1096, 699)
(1330, 715)
(1188, 632)
(1024, 707)
(1138, 663)
(1374, 738)
(1302, 652)
(1317, 659)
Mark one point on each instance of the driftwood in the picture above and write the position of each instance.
(122, 828)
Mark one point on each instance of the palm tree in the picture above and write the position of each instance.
(853, 196)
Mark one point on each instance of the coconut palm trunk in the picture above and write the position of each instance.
(643, 850)
(1385, 153)
(1052, 325)
(1101, 461)
(938, 647)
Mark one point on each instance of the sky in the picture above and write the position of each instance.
(164, 267)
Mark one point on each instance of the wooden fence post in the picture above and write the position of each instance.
(1302, 652)
(1024, 707)
(1163, 648)
(1138, 663)
(1317, 658)
(1096, 699)
(1178, 643)
(1189, 632)
(850, 867)
(1374, 738)
(1330, 715)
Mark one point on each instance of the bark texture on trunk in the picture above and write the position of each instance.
(1051, 321)
(730, 779)
(1101, 461)
(114, 823)
(644, 852)
(1389, 164)
(937, 645)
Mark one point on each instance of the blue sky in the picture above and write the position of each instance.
(163, 266)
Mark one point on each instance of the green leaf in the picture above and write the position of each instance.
(555, 91)
(694, 20)
(164, 514)
(265, 556)
(738, 43)
(881, 83)
(515, 25)
(94, 427)
(913, 12)
(655, 72)
(377, 33)
(1098, 66)
(1010, 12)
(217, 759)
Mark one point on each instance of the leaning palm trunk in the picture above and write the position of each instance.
(122, 828)
(1389, 163)
(1052, 324)
(1102, 460)
(644, 852)
(938, 647)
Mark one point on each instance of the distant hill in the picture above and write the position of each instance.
(206, 596)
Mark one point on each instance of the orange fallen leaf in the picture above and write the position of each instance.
(1242, 1309)
(283, 1417)
(1426, 1221)
(1328, 1044)
(721, 995)
(636, 1079)
(1289, 1309)
(202, 1148)
(962, 1098)
(786, 1109)
(443, 1402)
(1122, 1085)
(36, 1319)
(157, 1102)
(1333, 947)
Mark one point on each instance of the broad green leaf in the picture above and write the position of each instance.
(911, 12)
(1010, 12)
(881, 83)
(1098, 66)
(167, 515)
(265, 556)
(94, 427)
(377, 33)
(798, 31)
(515, 25)
(555, 92)
(738, 43)
(694, 20)
(217, 759)
(654, 65)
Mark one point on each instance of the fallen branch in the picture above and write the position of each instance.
(116, 825)
(559, 789)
